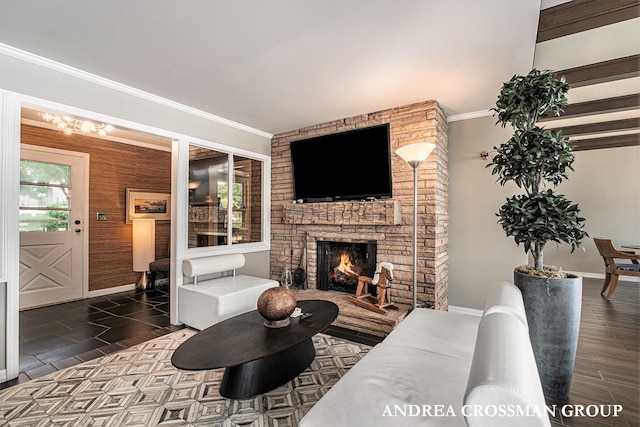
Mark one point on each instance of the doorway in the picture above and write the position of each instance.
(53, 225)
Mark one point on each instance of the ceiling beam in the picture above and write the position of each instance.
(601, 72)
(601, 127)
(597, 106)
(627, 140)
(582, 15)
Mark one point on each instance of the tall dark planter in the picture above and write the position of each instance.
(553, 312)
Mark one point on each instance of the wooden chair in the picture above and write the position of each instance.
(612, 269)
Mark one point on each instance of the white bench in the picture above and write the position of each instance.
(209, 301)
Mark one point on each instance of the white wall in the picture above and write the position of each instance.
(479, 252)
(605, 184)
(52, 85)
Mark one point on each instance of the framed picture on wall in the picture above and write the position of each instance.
(147, 204)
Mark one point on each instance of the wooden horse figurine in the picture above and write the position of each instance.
(382, 279)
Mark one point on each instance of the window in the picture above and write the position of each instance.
(45, 196)
(216, 217)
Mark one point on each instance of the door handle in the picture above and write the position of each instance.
(77, 230)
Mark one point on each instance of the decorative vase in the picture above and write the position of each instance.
(553, 312)
(276, 305)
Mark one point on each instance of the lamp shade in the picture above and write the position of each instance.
(414, 154)
(144, 243)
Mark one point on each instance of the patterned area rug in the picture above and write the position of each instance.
(140, 387)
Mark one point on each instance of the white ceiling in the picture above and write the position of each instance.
(280, 65)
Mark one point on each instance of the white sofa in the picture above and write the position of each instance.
(212, 300)
(445, 369)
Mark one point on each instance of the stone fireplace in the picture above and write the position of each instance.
(340, 264)
(300, 231)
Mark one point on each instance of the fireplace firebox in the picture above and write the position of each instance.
(340, 264)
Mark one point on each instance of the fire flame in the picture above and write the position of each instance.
(345, 264)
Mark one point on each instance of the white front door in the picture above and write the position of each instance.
(53, 242)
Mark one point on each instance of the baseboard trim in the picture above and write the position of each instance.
(109, 291)
(465, 310)
(601, 276)
(123, 288)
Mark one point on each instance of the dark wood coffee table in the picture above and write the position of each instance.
(256, 358)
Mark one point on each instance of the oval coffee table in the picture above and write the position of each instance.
(256, 359)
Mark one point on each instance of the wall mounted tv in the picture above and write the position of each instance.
(351, 165)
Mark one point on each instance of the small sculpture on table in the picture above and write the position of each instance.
(276, 305)
(382, 279)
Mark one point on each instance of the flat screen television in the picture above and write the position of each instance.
(349, 165)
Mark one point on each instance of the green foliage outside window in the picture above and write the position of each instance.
(237, 197)
(44, 185)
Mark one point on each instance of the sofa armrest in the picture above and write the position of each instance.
(504, 376)
(505, 297)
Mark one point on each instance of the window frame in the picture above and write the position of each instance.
(183, 173)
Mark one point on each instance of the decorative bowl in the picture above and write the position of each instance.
(276, 305)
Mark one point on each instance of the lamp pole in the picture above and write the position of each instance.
(415, 235)
(415, 154)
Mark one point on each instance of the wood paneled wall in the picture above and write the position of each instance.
(113, 168)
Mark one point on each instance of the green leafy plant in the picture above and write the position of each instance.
(533, 158)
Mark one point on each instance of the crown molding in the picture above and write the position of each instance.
(92, 78)
(467, 116)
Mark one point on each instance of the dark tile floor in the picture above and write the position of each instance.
(63, 335)
(56, 337)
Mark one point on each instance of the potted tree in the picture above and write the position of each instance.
(537, 160)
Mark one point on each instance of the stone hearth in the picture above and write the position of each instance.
(357, 318)
(296, 228)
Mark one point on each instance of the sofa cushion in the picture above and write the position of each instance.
(390, 380)
(503, 376)
(433, 330)
(212, 301)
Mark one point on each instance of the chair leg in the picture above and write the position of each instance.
(607, 280)
(612, 286)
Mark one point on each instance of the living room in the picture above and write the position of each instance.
(473, 252)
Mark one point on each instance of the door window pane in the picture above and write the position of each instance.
(43, 220)
(42, 172)
(45, 196)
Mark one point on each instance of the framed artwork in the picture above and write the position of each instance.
(147, 204)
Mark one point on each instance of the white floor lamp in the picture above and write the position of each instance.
(144, 249)
(415, 154)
